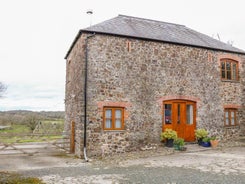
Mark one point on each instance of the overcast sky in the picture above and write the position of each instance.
(36, 34)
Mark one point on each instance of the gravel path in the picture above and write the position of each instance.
(225, 165)
(133, 174)
(212, 166)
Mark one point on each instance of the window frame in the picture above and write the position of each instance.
(230, 110)
(225, 70)
(113, 118)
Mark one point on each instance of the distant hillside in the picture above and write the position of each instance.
(18, 116)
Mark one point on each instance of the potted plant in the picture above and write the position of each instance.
(169, 135)
(214, 142)
(200, 134)
(179, 143)
(206, 142)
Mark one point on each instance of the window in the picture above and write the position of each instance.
(189, 114)
(113, 118)
(231, 117)
(229, 69)
(167, 113)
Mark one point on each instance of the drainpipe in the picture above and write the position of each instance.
(85, 97)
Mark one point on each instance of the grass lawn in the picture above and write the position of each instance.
(11, 178)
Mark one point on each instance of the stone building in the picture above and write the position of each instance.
(130, 78)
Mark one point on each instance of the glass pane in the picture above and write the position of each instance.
(228, 74)
(178, 114)
(226, 118)
(232, 118)
(228, 66)
(118, 113)
(223, 74)
(226, 114)
(234, 71)
(189, 114)
(108, 123)
(168, 113)
(118, 123)
(108, 113)
(223, 65)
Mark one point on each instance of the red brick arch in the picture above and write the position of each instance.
(229, 56)
(179, 97)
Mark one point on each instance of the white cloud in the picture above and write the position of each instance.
(33, 97)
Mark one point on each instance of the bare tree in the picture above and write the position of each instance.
(3, 88)
(31, 121)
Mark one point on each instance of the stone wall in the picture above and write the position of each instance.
(138, 78)
(74, 98)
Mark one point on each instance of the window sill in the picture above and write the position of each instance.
(232, 126)
(231, 81)
(113, 131)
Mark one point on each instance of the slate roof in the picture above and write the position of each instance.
(134, 27)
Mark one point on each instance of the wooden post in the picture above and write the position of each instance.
(72, 138)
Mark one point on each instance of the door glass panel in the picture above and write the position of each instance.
(189, 114)
(178, 121)
(168, 114)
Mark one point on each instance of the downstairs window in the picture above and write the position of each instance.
(231, 117)
(113, 118)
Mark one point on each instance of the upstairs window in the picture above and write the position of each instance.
(231, 117)
(229, 69)
(113, 118)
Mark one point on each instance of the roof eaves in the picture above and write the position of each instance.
(73, 43)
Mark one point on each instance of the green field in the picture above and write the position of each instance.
(46, 130)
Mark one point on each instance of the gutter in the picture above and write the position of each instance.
(85, 97)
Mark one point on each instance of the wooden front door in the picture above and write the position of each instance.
(180, 115)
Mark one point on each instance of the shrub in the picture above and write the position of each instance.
(169, 134)
(206, 139)
(201, 133)
(179, 142)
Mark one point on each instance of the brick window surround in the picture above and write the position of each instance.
(102, 105)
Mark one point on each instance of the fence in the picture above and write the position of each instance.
(33, 143)
(44, 139)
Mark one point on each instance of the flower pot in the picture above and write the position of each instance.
(199, 141)
(169, 143)
(214, 143)
(177, 147)
(206, 144)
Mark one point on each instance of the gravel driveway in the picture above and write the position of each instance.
(209, 166)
